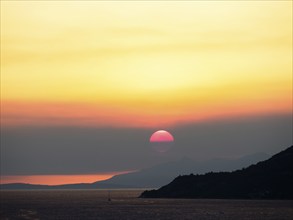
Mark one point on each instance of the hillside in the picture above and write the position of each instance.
(162, 174)
(270, 179)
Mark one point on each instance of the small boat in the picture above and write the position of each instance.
(109, 198)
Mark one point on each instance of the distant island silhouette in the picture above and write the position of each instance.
(156, 176)
(269, 179)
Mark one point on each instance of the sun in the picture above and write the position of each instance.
(161, 136)
(161, 141)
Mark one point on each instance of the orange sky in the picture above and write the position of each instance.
(57, 179)
(91, 63)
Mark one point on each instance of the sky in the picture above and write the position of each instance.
(84, 84)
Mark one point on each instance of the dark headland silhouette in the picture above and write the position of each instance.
(269, 179)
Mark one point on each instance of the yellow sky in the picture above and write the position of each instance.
(178, 60)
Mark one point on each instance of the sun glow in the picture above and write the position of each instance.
(115, 63)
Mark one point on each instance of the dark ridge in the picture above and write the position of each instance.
(97, 185)
(269, 179)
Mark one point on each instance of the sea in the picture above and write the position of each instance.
(125, 204)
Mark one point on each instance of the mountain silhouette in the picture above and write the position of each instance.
(162, 174)
(269, 179)
(155, 176)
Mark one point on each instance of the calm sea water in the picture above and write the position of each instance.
(124, 204)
